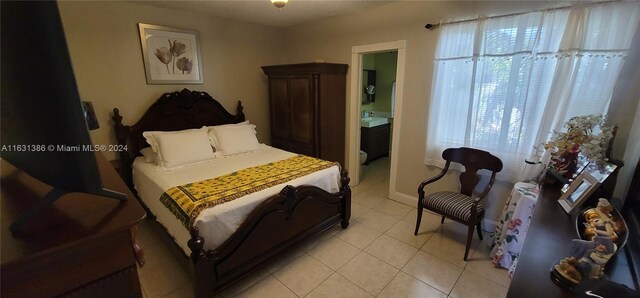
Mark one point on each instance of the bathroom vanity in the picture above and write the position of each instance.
(374, 137)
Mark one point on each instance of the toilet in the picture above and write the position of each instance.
(363, 157)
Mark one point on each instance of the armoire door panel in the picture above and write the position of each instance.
(332, 106)
(280, 108)
(303, 109)
(294, 147)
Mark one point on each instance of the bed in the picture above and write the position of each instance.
(231, 240)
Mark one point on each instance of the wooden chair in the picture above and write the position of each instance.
(461, 206)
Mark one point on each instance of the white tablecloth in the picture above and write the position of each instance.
(513, 225)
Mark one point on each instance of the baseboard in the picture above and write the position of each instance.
(404, 198)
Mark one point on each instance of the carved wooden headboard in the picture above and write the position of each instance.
(173, 111)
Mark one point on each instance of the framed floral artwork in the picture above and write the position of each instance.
(171, 55)
(579, 190)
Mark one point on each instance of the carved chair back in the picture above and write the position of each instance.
(473, 160)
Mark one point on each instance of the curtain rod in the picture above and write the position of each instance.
(435, 26)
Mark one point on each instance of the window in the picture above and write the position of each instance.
(502, 84)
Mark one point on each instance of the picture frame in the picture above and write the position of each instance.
(579, 190)
(601, 171)
(171, 55)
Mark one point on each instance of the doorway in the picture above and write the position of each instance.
(376, 114)
(357, 95)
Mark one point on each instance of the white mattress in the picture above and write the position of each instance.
(216, 224)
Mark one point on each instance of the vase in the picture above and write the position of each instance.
(567, 164)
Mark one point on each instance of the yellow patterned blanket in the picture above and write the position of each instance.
(187, 201)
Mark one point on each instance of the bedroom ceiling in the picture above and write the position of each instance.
(263, 12)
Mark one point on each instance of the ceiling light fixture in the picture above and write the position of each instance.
(279, 3)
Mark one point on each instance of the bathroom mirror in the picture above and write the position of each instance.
(369, 85)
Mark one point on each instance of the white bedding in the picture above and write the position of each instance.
(218, 223)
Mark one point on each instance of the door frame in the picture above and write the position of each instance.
(355, 105)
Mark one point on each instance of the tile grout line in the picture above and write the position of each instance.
(336, 271)
(287, 260)
(452, 264)
(399, 270)
(420, 250)
(188, 279)
(417, 250)
(416, 278)
(383, 232)
(387, 284)
(305, 253)
(485, 279)
(400, 219)
(363, 251)
(357, 285)
(421, 245)
(455, 283)
(273, 275)
(253, 285)
(394, 267)
(359, 250)
(319, 284)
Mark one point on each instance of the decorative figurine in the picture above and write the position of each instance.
(590, 256)
(599, 221)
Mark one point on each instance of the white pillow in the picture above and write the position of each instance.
(148, 154)
(149, 136)
(235, 139)
(214, 140)
(178, 148)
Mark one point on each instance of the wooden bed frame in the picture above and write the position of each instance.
(276, 225)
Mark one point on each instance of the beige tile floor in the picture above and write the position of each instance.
(378, 255)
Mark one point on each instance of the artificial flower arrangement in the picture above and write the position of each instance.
(588, 134)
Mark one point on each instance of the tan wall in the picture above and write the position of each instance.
(104, 44)
(332, 40)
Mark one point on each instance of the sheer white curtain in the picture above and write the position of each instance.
(502, 84)
(590, 59)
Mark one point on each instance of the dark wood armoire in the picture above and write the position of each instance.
(308, 103)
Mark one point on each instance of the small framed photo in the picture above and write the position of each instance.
(579, 190)
(601, 171)
(171, 55)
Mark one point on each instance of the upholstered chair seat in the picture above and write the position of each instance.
(462, 206)
(454, 204)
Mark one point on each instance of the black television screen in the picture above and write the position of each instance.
(43, 128)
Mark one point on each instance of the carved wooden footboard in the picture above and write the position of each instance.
(288, 218)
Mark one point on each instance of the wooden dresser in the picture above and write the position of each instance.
(307, 103)
(81, 246)
(549, 240)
